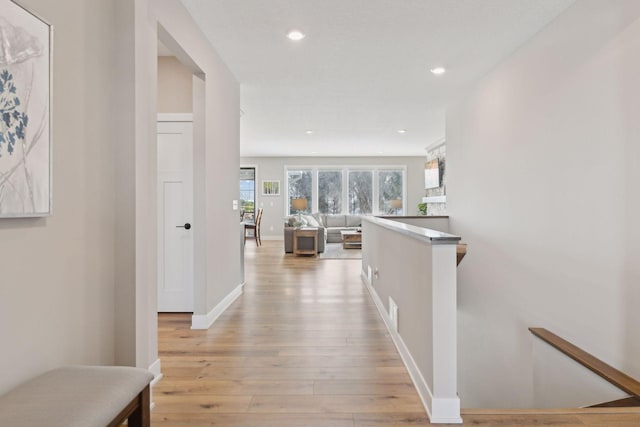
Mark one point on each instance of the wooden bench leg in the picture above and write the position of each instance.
(141, 416)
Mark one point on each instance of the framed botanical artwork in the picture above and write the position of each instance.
(25, 111)
(270, 188)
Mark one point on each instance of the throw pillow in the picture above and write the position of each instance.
(311, 221)
(318, 218)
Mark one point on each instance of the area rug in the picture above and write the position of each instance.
(336, 251)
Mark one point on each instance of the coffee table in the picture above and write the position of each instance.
(351, 239)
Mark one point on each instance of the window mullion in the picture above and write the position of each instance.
(375, 208)
(345, 191)
(314, 189)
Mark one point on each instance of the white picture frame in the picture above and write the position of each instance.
(25, 113)
(431, 174)
(270, 188)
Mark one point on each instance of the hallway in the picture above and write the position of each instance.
(303, 346)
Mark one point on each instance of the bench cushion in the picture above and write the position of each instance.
(83, 396)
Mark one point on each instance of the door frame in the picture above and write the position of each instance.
(258, 185)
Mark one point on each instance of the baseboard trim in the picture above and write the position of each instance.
(426, 396)
(155, 369)
(551, 411)
(275, 238)
(204, 321)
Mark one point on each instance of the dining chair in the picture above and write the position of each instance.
(255, 226)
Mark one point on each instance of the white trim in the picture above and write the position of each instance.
(274, 238)
(271, 181)
(175, 117)
(155, 369)
(434, 199)
(439, 143)
(204, 321)
(444, 333)
(446, 406)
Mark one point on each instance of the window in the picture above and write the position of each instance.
(247, 191)
(390, 192)
(360, 192)
(330, 192)
(357, 190)
(299, 186)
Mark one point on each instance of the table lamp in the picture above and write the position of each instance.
(299, 204)
(395, 205)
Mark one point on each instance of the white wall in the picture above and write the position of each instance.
(272, 168)
(78, 287)
(543, 170)
(57, 273)
(175, 87)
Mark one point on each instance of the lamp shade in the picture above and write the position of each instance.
(396, 204)
(299, 204)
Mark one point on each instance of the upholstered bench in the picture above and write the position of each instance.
(80, 396)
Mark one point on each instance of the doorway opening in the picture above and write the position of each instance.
(180, 92)
(247, 193)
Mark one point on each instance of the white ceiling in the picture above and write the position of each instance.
(362, 72)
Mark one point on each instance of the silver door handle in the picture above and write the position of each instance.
(186, 226)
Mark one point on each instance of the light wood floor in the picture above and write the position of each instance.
(303, 346)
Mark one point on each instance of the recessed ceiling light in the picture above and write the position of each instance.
(438, 71)
(296, 35)
(308, 131)
(380, 152)
(402, 131)
(314, 152)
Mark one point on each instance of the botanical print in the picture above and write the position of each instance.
(14, 121)
(24, 114)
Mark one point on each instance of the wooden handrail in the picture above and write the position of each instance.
(626, 402)
(461, 251)
(609, 373)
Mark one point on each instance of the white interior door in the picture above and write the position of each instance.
(175, 214)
